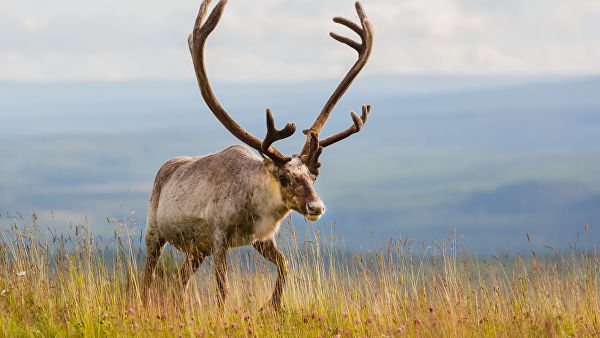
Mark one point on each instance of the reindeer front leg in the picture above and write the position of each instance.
(268, 249)
(220, 249)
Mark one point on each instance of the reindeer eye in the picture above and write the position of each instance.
(284, 180)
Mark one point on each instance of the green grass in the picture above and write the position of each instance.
(79, 284)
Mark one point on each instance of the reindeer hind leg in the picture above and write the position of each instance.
(190, 266)
(154, 248)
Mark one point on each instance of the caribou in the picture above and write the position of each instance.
(207, 205)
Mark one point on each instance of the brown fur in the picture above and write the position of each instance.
(206, 205)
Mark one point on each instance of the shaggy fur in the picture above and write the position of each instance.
(207, 205)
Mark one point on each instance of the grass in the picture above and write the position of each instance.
(80, 284)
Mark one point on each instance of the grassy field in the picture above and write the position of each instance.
(80, 284)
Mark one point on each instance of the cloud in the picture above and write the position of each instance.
(277, 40)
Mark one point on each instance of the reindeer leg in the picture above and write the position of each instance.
(268, 249)
(190, 266)
(154, 248)
(220, 249)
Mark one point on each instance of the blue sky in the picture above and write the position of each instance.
(287, 41)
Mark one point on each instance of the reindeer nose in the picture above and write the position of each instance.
(316, 208)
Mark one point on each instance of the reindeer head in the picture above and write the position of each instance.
(295, 184)
(295, 174)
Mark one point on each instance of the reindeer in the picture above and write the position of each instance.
(206, 205)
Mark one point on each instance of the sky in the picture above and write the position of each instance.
(287, 41)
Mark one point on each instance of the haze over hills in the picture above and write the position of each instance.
(493, 157)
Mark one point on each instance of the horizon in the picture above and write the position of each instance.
(492, 157)
(484, 114)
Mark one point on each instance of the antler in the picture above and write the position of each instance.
(359, 122)
(196, 42)
(274, 135)
(365, 31)
(311, 160)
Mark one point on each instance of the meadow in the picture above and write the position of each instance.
(81, 284)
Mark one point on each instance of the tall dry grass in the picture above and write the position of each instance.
(80, 284)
